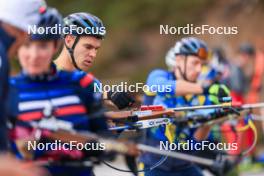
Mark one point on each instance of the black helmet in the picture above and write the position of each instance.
(85, 24)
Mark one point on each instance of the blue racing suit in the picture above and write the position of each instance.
(171, 132)
(73, 99)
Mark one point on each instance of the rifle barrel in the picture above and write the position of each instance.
(188, 108)
(178, 155)
(224, 105)
(255, 105)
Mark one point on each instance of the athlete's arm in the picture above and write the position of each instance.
(93, 102)
(176, 87)
(185, 87)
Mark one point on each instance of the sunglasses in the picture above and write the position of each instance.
(202, 54)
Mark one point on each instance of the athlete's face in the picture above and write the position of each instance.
(192, 67)
(35, 56)
(85, 50)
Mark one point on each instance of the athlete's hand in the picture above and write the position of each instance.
(121, 99)
(216, 91)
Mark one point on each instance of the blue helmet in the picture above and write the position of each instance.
(84, 24)
(186, 46)
(51, 22)
(191, 46)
